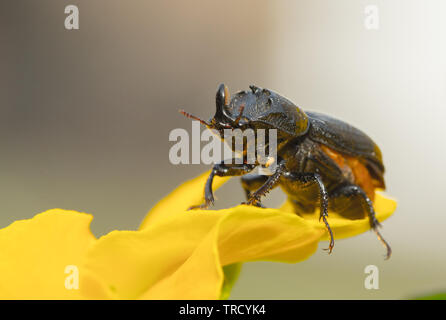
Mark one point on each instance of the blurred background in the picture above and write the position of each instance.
(85, 116)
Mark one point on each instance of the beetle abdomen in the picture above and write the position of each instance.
(347, 140)
(353, 170)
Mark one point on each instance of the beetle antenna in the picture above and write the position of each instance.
(188, 115)
(242, 107)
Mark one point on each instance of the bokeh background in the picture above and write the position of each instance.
(85, 116)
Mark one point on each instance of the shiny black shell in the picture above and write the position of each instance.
(347, 139)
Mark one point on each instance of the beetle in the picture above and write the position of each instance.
(321, 161)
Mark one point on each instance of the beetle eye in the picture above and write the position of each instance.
(243, 126)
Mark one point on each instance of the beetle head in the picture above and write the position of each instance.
(256, 109)
(259, 108)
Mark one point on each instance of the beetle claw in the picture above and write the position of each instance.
(207, 203)
(253, 202)
(330, 248)
(200, 206)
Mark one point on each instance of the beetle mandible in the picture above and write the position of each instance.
(320, 160)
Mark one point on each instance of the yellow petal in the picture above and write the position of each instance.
(182, 257)
(231, 273)
(129, 262)
(250, 233)
(344, 228)
(188, 194)
(199, 276)
(34, 254)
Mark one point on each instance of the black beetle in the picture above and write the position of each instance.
(320, 160)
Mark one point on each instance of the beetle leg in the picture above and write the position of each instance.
(251, 183)
(267, 186)
(222, 170)
(307, 178)
(354, 190)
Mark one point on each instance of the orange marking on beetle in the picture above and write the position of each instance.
(354, 170)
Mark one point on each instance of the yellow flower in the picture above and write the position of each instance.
(175, 254)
